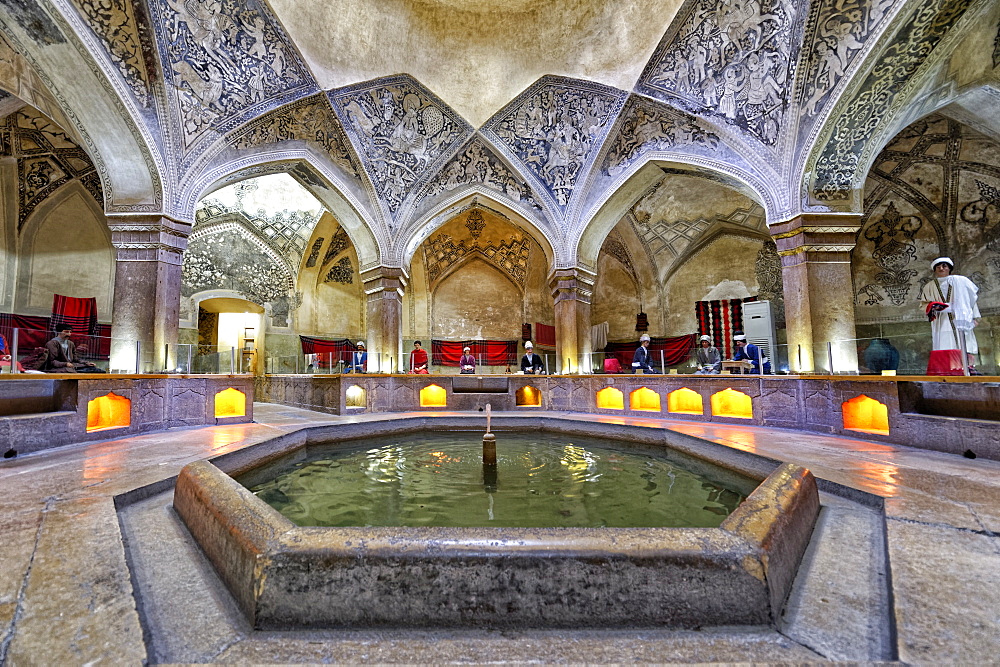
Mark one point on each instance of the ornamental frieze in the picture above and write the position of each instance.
(554, 128)
(856, 124)
(477, 164)
(645, 126)
(224, 61)
(118, 25)
(310, 120)
(400, 131)
(733, 60)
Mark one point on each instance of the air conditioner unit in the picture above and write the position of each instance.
(758, 326)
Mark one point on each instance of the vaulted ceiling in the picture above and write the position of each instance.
(562, 112)
(476, 55)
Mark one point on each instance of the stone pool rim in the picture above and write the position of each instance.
(283, 576)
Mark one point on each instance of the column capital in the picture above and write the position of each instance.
(384, 279)
(816, 237)
(575, 283)
(148, 238)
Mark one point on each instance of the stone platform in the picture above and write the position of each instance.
(957, 415)
(94, 574)
(44, 411)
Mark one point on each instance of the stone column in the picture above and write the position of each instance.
(384, 288)
(815, 254)
(146, 306)
(572, 290)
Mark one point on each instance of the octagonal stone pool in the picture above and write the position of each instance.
(566, 531)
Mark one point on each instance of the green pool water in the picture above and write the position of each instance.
(540, 480)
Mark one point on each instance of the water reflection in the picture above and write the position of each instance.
(440, 480)
(104, 466)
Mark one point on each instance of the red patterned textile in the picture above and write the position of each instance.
(545, 335)
(69, 311)
(721, 320)
(34, 331)
(675, 350)
(98, 345)
(486, 352)
(328, 351)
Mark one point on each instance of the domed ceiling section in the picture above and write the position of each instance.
(476, 55)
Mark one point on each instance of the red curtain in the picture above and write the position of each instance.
(486, 352)
(36, 331)
(545, 335)
(675, 350)
(327, 350)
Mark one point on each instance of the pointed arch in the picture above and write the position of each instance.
(66, 233)
(64, 81)
(468, 198)
(639, 177)
(909, 78)
(323, 182)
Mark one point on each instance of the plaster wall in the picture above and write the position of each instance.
(478, 276)
(477, 301)
(476, 56)
(66, 249)
(616, 298)
(724, 268)
(329, 308)
(8, 236)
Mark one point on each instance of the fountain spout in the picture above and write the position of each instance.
(489, 442)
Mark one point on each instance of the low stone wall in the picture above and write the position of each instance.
(286, 577)
(40, 412)
(813, 404)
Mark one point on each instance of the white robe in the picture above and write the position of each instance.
(963, 309)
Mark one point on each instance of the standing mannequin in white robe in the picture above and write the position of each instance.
(962, 313)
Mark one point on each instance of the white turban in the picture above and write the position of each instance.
(705, 338)
(643, 337)
(739, 337)
(361, 343)
(528, 345)
(946, 260)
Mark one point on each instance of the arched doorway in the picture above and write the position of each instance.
(230, 337)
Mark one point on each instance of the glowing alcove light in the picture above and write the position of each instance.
(230, 403)
(644, 398)
(355, 397)
(433, 396)
(863, 413)
(529, 397)
(109, 411)
(732, 403)
(610, 398)
(685, 401)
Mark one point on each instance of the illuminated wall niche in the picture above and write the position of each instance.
(862, 413)
(109, 411)
(433, 396)
(610, 398)
(732, 403)
(356, 397)
(644, 398)
(230, 403)
(685, 401)
(528, 397)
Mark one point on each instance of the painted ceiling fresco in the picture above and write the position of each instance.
(46, 159)
(766, 91)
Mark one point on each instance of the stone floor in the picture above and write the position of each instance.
(68, 596)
